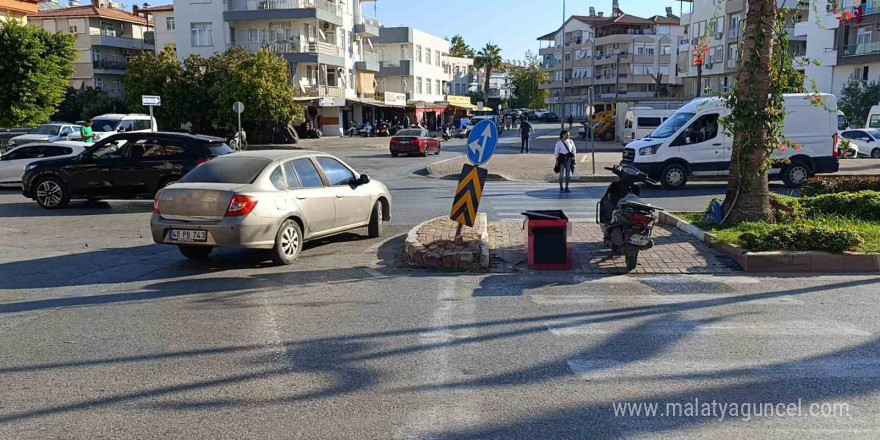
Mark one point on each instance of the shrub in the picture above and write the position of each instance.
(787, 209)
(832, 185)
(803, 236)
(863, 205)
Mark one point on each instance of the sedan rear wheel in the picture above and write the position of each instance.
(51, 193)
(288, 243)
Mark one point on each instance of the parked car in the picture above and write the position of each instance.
(53, 131)
(123, 166)
(537, 113)
(692, 143)
(12, 162)
(414, 141)
(8, 133)
(548, 117)
(112, 123)
(867, 139)
(271, 199)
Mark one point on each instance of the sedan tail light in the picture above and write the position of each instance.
(835, 142)
(240, 206)
(156, 203)
(202, 160)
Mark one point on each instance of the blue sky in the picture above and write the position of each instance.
(512, 24)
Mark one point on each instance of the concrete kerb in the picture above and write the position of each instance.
(780, 261)
(599, 178)
(417, 254)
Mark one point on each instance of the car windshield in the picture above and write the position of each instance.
(416, 133)
(105, 125)
(874, 133)
(671, 125)
(227, 170)
(46, 129)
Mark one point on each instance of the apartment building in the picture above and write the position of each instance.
(459, 73)
(106, 38)
(620, 56)
(165, 26)
(851, 48)
(411, 62)
(17, 10)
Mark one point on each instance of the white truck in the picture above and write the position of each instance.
(692, 143)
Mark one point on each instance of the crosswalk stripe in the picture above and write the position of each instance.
(776, 328)
(809, 368)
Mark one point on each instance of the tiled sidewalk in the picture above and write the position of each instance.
(673, 252)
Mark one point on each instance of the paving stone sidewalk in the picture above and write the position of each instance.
(526, 167)
(673, 252)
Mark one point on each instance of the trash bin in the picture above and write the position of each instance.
(546, 238)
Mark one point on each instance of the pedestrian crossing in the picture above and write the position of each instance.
(503, 201)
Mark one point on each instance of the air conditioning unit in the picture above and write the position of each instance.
(828, 8)
(708, 65)
(719, 35)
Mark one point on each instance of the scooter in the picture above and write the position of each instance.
(382, 129)
(446, 132)
(625, 219)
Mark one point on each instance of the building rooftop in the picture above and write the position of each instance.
(163, 8)
(92, 11)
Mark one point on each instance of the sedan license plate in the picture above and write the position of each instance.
(403, 142)
(639, 240)
(188, 235)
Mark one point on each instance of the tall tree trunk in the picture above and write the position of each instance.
(486, 87)
(747, 197)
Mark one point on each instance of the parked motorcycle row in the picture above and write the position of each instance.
(381, 129)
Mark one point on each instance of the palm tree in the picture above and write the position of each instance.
(488, 58)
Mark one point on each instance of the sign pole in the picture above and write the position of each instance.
(151, 116)
(592, 138)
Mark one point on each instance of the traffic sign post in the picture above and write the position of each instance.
(481, 146)
(238, 108)
(151, 101)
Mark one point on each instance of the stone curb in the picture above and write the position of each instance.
(417, 255)
(602, 178)
(780, 261)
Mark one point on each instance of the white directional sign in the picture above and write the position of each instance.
(151, 101)
(238, 107)
(482, 142)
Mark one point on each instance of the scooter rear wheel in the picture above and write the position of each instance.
(632, 260)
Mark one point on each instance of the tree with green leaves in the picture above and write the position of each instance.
(35, 71)
(81, 105)
(488, 59)
(526, 84)
(856, 99)
(458, 48)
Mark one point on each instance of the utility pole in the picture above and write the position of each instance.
(617, 78)
(591, 98)
(562, 116)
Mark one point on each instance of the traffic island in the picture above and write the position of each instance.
(433, 245)
(527, 168)
(778, 261)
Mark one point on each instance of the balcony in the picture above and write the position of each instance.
(854, 50)
(370, 27)
(239, 10)
(549, 50)
(369, 62)
(109, 38)
(106, 66)
(311, 91)
(395, 68)
(299, 52)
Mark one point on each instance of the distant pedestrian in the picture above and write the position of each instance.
(368, 129)
(406, 121)
(525, 131)
(513, 120)
(565, 159)
(570, 122)
(86, 133)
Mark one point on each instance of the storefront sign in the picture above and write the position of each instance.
(463, 101)
(331, 102)
(393, 98)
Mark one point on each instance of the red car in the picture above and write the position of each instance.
(414, 141)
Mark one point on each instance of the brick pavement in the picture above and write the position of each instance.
(436, 246)
(673, 252)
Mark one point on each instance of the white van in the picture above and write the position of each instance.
(691, 143)
(639, 122)
(112, 123)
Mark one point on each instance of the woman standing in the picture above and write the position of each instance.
(565, 160)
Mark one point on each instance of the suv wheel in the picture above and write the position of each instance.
(288, 243)
(674, 176)
(794, 175)
(51, 193)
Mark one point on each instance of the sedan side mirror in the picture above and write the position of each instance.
(363, 179)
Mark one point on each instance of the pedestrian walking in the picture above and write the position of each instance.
(570, 122)
(565, 159)
(513, 121)
(86, 132)
(525, 131)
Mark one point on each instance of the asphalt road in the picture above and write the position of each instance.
(105, 335)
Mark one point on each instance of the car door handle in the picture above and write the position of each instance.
(339, 196)
(301, 197)
(717, 144)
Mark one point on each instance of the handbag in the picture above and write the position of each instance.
(556, 167)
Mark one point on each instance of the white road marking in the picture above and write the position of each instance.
(653, 299)
(775, 328)
(840, 368)
(373, 272)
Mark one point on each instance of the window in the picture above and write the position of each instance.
(73, 29)
(108, 29)
(664, 30)
(428, 55)
(110, 150)
(715, 54)
(437, 88)
(337, 173)
(732, 52)
(290, 173)
(648, 122)
(864, 35)
(239, 170)
(734, 26)
(202, 35)
(169, 23)
(99, 83)
(142, 125)
(277, 178)
(307, 173)
(874, 122)
(701, 130)
(403, 52)
(665, 49)
(427, 86)
(418, 53)
(65, 131)
(437, 57)
(644, 48)
(700, 29)
(24, 153)
(418, 84)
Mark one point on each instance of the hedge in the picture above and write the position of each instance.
(863, 205)
(832, 185)
(802, 236)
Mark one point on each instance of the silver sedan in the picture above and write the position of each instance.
(273, 200)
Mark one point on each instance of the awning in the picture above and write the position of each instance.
(464, 106)
(367, 101)
(77, 84)
(484, 109)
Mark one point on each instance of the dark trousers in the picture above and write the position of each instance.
(525, 144)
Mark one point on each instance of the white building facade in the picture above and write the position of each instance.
(411, 62)
(164, 25)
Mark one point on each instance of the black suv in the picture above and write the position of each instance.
(122, 166)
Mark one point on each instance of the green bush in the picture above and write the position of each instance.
(802, 236)
(787, 209)
(862, 205)
(832, 185)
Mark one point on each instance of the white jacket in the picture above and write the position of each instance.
(561, 150)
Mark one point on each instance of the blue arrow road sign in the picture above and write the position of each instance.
(482, 142)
